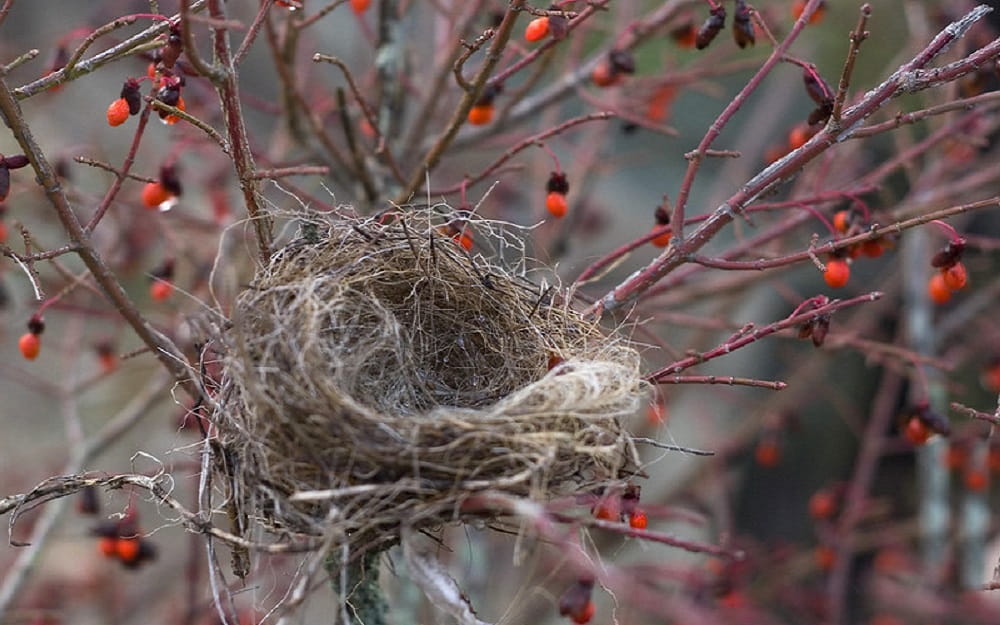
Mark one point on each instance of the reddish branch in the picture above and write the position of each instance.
(909, 78)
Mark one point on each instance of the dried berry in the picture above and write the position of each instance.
(743, 32)
(710, 29)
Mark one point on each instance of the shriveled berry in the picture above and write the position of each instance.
(537, 29)
(118, 112)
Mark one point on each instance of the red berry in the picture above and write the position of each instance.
(841, 221)
(603, 76)
(127, 549)
(975, 480)
(360, 6)
(799, 5)
(825, 557)
(160, 290)
(30, 345)
(916, 431)
(822, 505)
(481, 114)
(608, 510)
(872, 249)
(955, 277)
(767, 454)
(938, 289)
(662, 240)
(837, 273)
(108, 546)
(154, 194)
(118, 112)
(3, 232)
(638, 520)
(798, 136)
(955, 457)
(584, 615)
(556, 204)
(464, 240)
(537, 29)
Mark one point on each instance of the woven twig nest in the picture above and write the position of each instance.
(377, 374)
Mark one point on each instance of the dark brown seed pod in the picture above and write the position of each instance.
(171, 51)
(743, 32)
(716, 22)
(130, 93)
(557, 183)
(950, 254)
(170, 180)
(621, 62)
(817, 88)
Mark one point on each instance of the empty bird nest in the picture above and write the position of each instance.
(377, 374)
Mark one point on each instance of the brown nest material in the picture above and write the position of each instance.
(377, 374)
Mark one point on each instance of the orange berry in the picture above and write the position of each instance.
(685, 36)
(975, 480)
(30, 345)
(464, 240)
(638, 520)
(993, 459)
(481, 114)
(608, 510)
(837, 273)
(767, 454)
(602, 76)
(825, 556)
(656, 414)
(798, 136)
(822, 505)
(662, 240)
(537, 29)
(108, 546)
(799, 5)
(556, 204)
(291, 5)
(170, 120)
(916, 431)
(151, 71)
(583, 615)
(154, 194)
(160, 290)
(872, 249)
(360, 6)
(841, 221)
(938, 289)
(127, 549)
(3, 232)
(955, 277)
(118, 112)
(954, 458)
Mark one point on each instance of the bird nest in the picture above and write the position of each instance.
(376, 375)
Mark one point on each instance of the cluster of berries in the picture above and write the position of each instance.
(617, 508)
(120, 540)
(849, 223)
(162, 72)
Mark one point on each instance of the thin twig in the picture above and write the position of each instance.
(858, 35)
